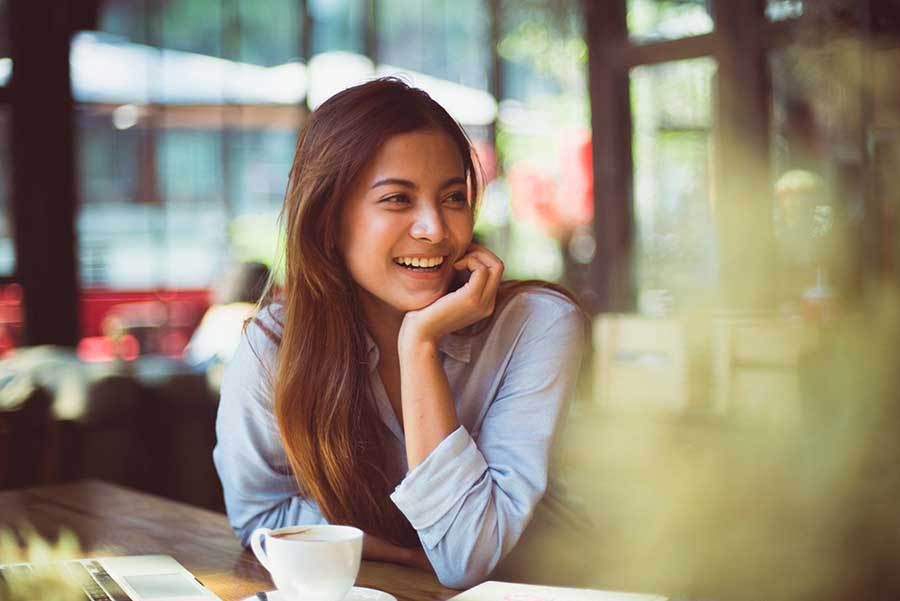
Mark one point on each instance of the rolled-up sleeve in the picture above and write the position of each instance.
(471, 499)
(259, 487)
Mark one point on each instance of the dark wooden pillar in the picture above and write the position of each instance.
(743, 184)
(606, 34)
(495, 81)
(370, 21)
(43, 193)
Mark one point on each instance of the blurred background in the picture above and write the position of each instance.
(711, 177)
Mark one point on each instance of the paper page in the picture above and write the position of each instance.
(508, 591)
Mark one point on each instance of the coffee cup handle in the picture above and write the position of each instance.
(256, 544)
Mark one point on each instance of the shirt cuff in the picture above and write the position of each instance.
(436, 485)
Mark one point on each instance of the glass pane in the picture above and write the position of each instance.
(819, 156)
(337, 25)
(672, 118)
(650, 20)
(266, 33)
(448, 39)
(7, 248)
(778, 10)
(191, 26)
(537, 213)
(183, 156)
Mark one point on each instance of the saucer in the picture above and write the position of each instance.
(357, 593)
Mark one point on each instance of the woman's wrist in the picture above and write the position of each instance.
(414, 340)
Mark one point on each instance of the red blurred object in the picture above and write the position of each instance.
(487, 157)
(557, 208)
(10, 317)
(185, 306)
(534, 198)
(576, 190)
(160, 320)
(95, 349)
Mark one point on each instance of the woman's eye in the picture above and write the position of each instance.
(457, 198)
(396, 199)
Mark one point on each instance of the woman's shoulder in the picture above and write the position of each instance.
(261, 336)
(268, 323)
(540, 303)
(533, 310)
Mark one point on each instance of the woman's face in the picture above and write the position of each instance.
(406, 221)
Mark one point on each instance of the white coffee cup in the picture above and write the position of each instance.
(312, 563)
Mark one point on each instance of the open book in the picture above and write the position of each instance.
(508, 591)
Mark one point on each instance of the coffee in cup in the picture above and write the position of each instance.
(314, 563)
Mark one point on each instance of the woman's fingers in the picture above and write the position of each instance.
(495, 271)
(478, 278)
(487, 271)
(494, 267)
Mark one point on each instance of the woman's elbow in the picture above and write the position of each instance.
(242, 532)
(463, 576)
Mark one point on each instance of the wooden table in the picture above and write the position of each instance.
(111, 520)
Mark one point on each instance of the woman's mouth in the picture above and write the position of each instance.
(421, 264)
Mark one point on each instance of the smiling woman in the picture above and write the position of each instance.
(395, 384)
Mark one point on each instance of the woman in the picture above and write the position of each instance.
(381, 389)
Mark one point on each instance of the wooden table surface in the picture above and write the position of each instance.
(112, 520)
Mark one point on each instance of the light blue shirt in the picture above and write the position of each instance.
(473, 496)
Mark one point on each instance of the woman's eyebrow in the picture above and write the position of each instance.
(395, 181)
(453, 181)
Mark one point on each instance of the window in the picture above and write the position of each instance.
(537, 213)
(653, 20)
(672, 105)
(187, 115)
(337, 25)
(448, 39)
(7, 249)
(778, 10)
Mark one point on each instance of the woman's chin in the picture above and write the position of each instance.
(418, 302)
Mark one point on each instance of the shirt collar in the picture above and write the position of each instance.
(454, 345)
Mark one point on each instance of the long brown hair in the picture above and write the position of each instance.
(328, 422)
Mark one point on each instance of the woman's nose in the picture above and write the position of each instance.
(429, 226)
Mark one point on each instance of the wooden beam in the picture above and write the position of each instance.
(742, 178)
(669, 50)
(43, 193)
(606, 32)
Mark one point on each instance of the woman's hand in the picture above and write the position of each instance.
(472, 302)
(377, 549)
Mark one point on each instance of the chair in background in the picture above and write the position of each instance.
(24, 417)
(103, 439)
(178, 417)
(642, 363)
(756, 361)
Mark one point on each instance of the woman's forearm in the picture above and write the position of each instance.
(429, 414)
(377, 549)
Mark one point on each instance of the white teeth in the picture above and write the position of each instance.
(419, 261)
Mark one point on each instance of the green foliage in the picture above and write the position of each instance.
(550, 54)
(47, 583)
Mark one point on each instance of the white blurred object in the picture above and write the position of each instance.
(467, 105)
(111, 70)
(331, 72)
(218, 334)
